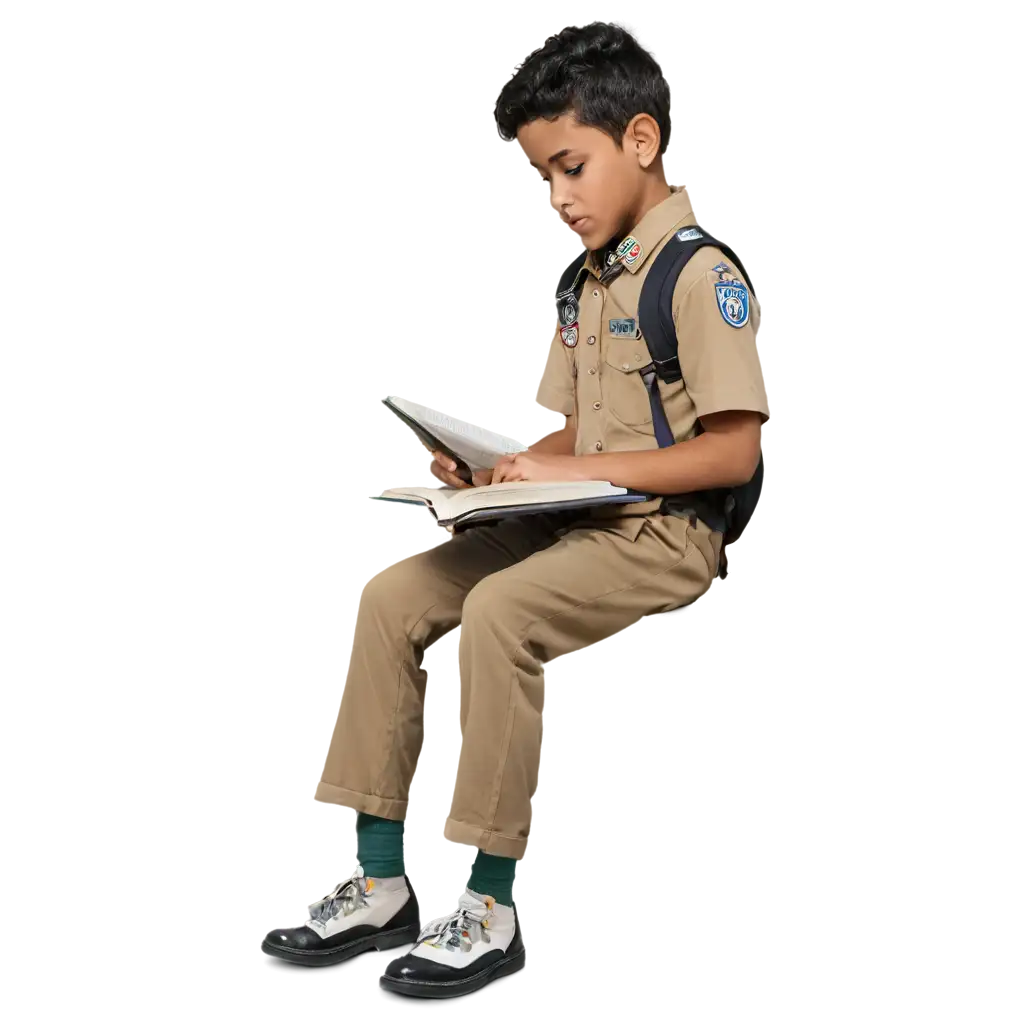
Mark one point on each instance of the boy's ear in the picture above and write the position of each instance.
(643, 136)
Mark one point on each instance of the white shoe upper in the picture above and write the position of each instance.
(477, 927)
(358, 900)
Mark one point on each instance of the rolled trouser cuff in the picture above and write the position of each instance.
(483, 839)
(381, 806)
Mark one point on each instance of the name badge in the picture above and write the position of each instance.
(622, 328)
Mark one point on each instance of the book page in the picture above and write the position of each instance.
(479, 448)
(525, 492)
(449, 502)
(511, 414)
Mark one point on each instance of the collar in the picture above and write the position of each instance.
(632, 250)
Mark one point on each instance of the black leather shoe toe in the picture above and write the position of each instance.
(304, 946)
(412, 975)
(302, 938)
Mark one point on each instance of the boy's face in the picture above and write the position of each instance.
(595, 185)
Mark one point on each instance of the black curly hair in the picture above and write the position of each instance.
(597, 71)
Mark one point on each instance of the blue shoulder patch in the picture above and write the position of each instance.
(733, 302)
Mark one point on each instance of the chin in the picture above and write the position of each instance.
(595, 238)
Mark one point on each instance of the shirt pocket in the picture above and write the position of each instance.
(622, 387)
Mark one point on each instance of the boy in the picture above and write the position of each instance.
(590, 110)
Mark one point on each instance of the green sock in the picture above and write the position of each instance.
(493, 876)
(379, 846)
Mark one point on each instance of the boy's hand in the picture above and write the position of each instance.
(538, 466)
(444, 469)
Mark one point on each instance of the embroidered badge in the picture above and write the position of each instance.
(568, 308)
(629, 250)
(622, 328)
(689, 234)
(570, 335)
(725, 274)
(733, 302)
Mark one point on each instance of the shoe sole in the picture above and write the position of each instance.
(446, 989)
(326, 957)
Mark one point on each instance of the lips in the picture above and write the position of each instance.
(578, 222)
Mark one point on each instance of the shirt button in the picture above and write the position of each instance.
(591, 340)
(591, 370)
(598, 446)
(625, 366)
(597, 405)
(596, 293)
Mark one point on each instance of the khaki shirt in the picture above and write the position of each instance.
(595, 378)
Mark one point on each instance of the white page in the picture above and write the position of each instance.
(522, 489)
(479, 445)
(508, 413)
(449, 501)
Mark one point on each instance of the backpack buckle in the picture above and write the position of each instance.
(669, 369)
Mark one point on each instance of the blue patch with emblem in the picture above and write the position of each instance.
(733, 302)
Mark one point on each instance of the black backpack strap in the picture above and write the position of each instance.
(567, 299)
(570, 284)
(654, 312)
(655, 307)
(725, 509)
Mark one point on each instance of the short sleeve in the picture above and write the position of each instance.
(556, 389)
(719, 360)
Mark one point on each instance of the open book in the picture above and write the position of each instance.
(471, 447)
(454, 506)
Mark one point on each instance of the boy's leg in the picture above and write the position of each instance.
(379, 731)
(597, 579)
(594, 581)
(402, 611)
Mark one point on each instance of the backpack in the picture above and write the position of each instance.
(725, 509)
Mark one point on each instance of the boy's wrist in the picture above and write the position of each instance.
(587, 467)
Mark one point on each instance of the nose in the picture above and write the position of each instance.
(561, 198)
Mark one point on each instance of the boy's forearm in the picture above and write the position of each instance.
(561, 442)
(710, 460)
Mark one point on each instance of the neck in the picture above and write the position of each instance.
(656, 190)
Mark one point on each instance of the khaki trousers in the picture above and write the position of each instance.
(526, 590)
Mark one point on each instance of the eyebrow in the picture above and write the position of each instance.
(552, 159)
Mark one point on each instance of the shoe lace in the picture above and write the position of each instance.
(460, 929)
(345, 898)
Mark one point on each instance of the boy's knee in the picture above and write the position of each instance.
(493, 600)
(391, 588)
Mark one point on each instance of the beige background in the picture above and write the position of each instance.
(201, 215)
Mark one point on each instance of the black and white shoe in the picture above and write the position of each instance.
(460, 953)
(359, 914)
